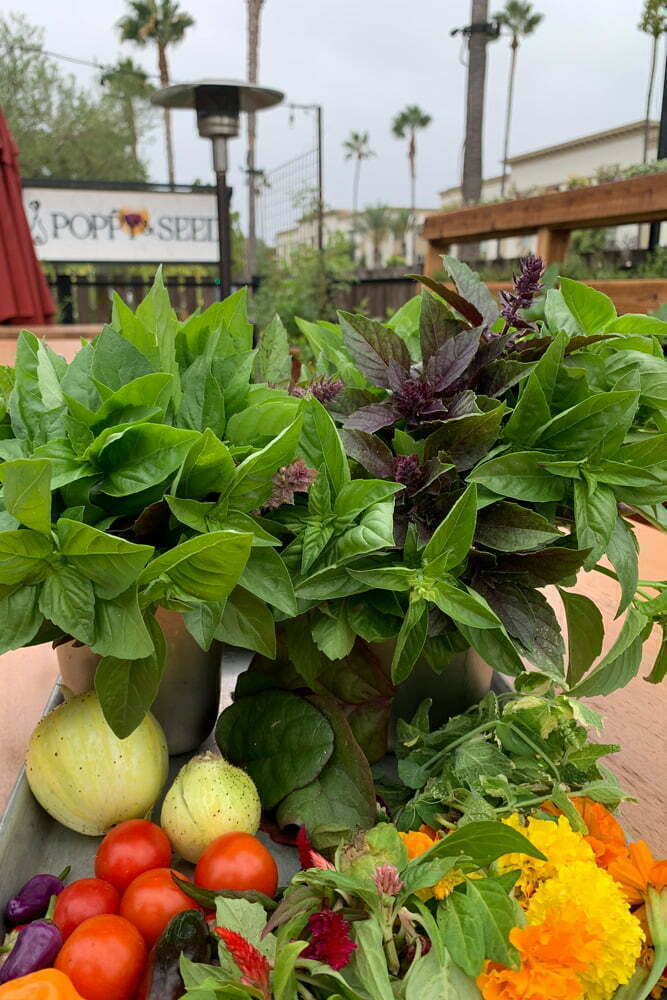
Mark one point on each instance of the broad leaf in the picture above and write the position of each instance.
(247, 622)
(252, 482)
(410, 641)
(27, 492)
(142, 456)
(111, 563)
(20, 618)
(621, 662)
(585, 632)
(452, 539)
(120, 629)
(593, 311)
(595, 514)
(473, 289)
(622, 552)
(321, 445)
(273, 362)
(67, 599)
(207, 567)
(520, 475)
(24, 556)
(127, 688)
(374, 347)
(266, 576)
(463, 606)
(509, 527)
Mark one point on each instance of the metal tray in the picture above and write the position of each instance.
(32, 842)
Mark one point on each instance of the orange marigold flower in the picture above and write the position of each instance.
(637, 871)
(533, 981)
(605, 834)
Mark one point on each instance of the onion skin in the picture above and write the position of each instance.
(209, 797)
(88, 779)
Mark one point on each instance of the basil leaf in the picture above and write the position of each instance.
(593, 311)
(374, 347)
(520, 475)
(202, 404)
(27, 492)
(463, 606)
(595, 514)
(248, 623)
(143, 456)
(451, 541)
(208, 468)
(410, 641)
(621, 662)
(273, 362)
(67, 599)
(20, 618)
(266, 576)
(583, 428)
(585, 632)
(24, 556)
(252, 482)
(622, 552)
(207, 567)
(111, 563)
(462, 932)
(120, 629)
(509, 527)
(321, 445)
(127, 688)
(357, 496)
(116, 361)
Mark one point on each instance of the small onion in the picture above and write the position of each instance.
(209, 797)
(85, 776)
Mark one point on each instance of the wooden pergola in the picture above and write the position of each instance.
(552, 216)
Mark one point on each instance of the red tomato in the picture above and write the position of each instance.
(131, 848)
(152, 900)
(237, 861)
(88, 897)
(104, 958)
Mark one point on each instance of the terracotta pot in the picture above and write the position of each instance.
(189, 695)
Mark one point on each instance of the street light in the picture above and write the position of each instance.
(218, 104)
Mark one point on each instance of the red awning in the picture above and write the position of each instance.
(24, 293)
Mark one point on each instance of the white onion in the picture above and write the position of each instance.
(209, 797)
(85, 776)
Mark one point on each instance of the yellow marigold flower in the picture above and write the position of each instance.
(558, 842)
(416, 842)
(608, 919)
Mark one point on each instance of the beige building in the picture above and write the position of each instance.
(567, 164)
(341, 221)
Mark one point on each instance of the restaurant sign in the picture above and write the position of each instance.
(96, 225)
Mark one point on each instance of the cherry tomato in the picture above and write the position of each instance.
(237, 861)
(131, 848)
(87, 897)
(152, 900)
(104, 958)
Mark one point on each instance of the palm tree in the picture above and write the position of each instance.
(654, 23)
(405, 124)
(254, 15)
(376, 222)
(520, 20)
(161, 22)
(357, 147)
(472, 151)
(127, 83)
(399, 223)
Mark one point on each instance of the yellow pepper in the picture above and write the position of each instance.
(49, 984)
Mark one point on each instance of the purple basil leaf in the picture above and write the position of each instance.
(528, 618)
(374, 417)
(452, 359)
(436, 325)
(374, 347)
(369, 451)
(550, 565)
(501, 375)
(467, 439)
(462, 404)
(472, 288)
(349, 400)
(462, 306)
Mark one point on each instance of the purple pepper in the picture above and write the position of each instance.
(37, 946)
(32, 900)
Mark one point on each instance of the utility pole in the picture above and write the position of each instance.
(654, 233)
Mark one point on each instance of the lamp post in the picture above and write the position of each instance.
(219, 104)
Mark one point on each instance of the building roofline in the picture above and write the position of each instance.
(582, 140)
(54, 182)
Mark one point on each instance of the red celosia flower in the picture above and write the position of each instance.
(252, 964)
(308, 857)
(330, 940)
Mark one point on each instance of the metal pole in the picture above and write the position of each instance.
(654, 234)
(320, 183)
(224, 195)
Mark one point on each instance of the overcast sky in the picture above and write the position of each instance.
(585, 69)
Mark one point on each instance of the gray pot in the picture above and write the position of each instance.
(189, 695)
(462, 681)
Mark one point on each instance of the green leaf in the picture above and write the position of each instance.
(24, 556)
(203, 621)
(116, 361)
(158, 317)
(431, 979)
(208, 468)
(273, 362)
(124, 321)
(592, 310)
(111, 563)
(207, 567)
(369, 965)
(288, 751)
(374, 531)
(120, 629)
(659, 670)
(595, 513)
(494, 646)
(142, 456)
(463, 606)
(27, 492)
(134, 401)
(232, 313)
(463, 932)
(637, 323)
(484, 842)
(127, 688)
(534, 407)
(452, 539)
(621, 662)
(622, 553)
(20, 618)
(247, 622)
(410, 641)
(252, 482)
(266, 576)
(585, 632)
(584, 428)
(357, 496)
(67, 599)
(283, 981)
(520, 475)
(396, 578)
(342, 797)
(321, 445)
(202, 404)
(509, 527)
(332, 634)
(497, 914)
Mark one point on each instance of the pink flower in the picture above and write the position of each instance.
(323, 389)
(293, 478)
(387, 880)
(253, 966)
(309, 858)
(330, 940)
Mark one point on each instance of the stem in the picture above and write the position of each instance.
(534, 747)
(52, 908)
(65, 872)
(391, 954)
(537, 801)
(659, 963)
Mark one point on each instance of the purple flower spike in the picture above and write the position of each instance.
(527, 285)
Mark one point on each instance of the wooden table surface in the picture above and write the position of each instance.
(635, 716)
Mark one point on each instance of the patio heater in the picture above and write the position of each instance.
(219, 104)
